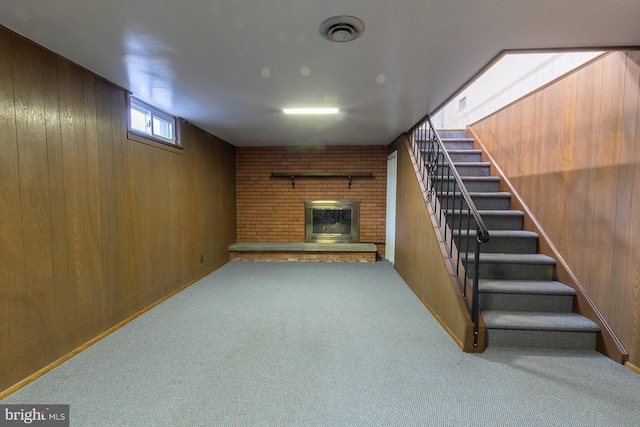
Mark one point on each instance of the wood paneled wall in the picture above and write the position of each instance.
(572, 151)
(419, 254)
(93, 227)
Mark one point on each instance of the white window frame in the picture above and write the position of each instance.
(152, 113)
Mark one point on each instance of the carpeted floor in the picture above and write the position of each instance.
(322, 344)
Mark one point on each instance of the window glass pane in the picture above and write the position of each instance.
(162, 128)
(147, 119)
(138, 120)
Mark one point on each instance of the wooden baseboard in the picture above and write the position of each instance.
(94, 340)
(633, 367)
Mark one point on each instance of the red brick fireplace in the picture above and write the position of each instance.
(271, 209)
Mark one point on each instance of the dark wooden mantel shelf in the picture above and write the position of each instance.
(294, 175)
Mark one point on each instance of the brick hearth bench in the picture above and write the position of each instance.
(303, 252)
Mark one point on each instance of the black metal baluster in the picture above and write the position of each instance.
(474, 290)
(429, 149)
(459, 233)
(466, 262)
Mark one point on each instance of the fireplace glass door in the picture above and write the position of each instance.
(330, 221)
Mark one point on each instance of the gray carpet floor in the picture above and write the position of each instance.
(322, 344)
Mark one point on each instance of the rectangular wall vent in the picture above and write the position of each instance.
(462, 104)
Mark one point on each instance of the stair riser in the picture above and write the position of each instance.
(472, 186)
(541, 339)
(493, 222)
(511, 245)
(475, 170)
(458, 145)
(513, 271)
(525, 302)
(462, 157)
(493, 203)
(452, 133)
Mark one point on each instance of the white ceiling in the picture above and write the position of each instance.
(231, 66)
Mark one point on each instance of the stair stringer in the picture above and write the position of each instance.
(607, 342)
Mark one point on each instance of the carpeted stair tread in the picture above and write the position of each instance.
(449, 139)
(481, 200)
(500, 241)
(460, 155)
(494, 219)
(466, 169)
(503, 234)
(457, 143)
(457, 139)
(540, 321)
(492, 212)
(452, 133)
(479, 178)
(531, 287)
(472, 178)
(477, 183)
(457, 151)
(511, 266)
(491, 200)
(485, 194)
(490, 194)
(498, 212)
(472, 164)
(494, 258)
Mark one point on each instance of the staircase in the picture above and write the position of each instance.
(521, 303)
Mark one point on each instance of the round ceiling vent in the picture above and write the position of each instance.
(342, 28)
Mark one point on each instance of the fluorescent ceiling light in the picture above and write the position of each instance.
(310, 110)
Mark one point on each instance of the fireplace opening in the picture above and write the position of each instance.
(332, 221)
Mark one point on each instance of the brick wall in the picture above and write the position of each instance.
(269, 210)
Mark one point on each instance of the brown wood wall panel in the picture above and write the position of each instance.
(142, 269)
(27, 314)
(118, 120)
(62, 337)
(11, 252)
(93, 227)
(606, 195)
(76, 199)
(418, 257)
(210, 164)
(584, 172)
(180, 219)
(566, 147)
(131, 250)
(551, 182)
(95, 215)
(108, 238)
(578, 171)
(631, 301)
(624, 129)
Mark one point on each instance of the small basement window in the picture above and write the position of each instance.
(149, 122)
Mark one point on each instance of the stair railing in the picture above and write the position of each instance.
(454, 210)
